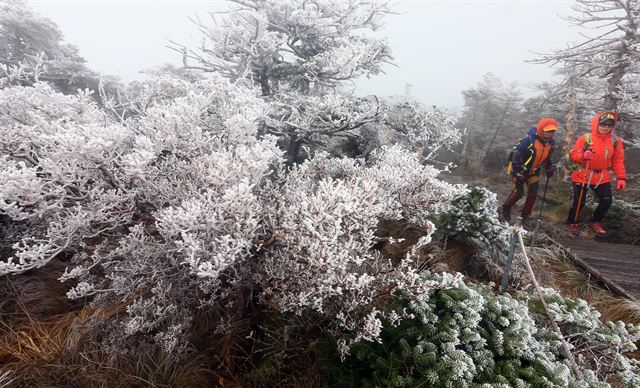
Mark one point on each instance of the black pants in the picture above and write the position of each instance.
(603, 192)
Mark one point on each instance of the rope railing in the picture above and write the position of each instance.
(518, 231)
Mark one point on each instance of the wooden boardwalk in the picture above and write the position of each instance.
(616, 265)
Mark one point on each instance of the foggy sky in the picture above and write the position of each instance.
(439, 47)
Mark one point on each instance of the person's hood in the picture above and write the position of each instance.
(594, 124)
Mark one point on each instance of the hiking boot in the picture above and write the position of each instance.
(506, 213)
(574, 229)
(597, 227)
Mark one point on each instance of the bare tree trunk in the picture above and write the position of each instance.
(612, 98)
(465, 150)
(568, 129)
(495, 133)
(292, 155)
(465, 147)
(264, 83)
(571, 118)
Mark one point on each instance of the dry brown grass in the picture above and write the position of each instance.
(617, 309)
(459, 256)
(44, 343)
(35, 343)
(149, 367)
(29, 344)
(572, 282)
(54, 351)
(40, 346)
(38, 291)
(562, 274)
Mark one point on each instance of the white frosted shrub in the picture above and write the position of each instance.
(427, 129)
(181, 205)
(60, 168)
(418, 193)
(327, 216)
(161, 204)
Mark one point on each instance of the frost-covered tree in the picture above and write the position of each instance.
(427, 130)
(602, 70)
(299, 54)
(474, 215)
(492, 122)
(32, 49)
(293, 45)
(610, 53)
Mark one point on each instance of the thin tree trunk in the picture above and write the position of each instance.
(465, 150)
(293, 151)
(612, 98)
(571, 117)
(498, 128)
(264, 83)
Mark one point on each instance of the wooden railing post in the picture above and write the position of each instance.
(512, 248)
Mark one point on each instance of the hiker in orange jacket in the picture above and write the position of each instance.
(528, 157)
(595, 153)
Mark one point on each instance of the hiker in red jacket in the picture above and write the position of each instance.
(531, 153)
(595, 153)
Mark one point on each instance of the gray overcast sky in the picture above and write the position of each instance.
(440, 47)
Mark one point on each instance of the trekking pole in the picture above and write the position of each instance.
(544, 196)
(584, 183)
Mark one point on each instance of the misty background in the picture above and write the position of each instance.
(439, 47)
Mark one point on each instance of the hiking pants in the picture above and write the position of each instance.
(603, 192)
(532, 194)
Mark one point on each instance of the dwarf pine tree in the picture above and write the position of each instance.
(473, 215)
(466, 336)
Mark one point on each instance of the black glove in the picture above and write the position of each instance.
(521, 177)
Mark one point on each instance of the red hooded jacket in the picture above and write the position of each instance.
(606, 156)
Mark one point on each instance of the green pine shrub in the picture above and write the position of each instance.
(473, 215)
(469, 337)
(597, 346)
